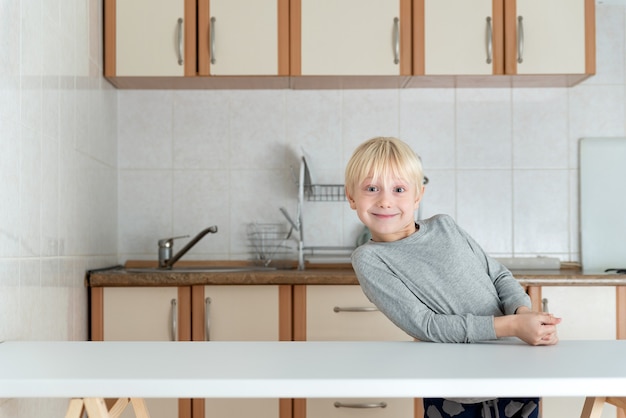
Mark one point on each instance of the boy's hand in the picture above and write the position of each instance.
(537, 328)
(534, 328)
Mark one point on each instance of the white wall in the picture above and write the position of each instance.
(58, 212)
(503, 162)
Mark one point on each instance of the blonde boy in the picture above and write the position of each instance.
(430, 277)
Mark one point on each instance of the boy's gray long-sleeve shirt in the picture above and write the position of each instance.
(438, 284)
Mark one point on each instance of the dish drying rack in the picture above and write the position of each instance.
(314, 193)
(268, 241)
(317, 192)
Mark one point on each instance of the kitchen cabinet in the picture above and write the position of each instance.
(147, 38)
(144, 314)
(580, 308)
(199, 313)
(552, 40)
(186, 43)
(350, 38)
(243, 37)
(241, 313)
(343, 313)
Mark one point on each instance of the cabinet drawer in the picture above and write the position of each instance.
(344, 313)
(394, 408)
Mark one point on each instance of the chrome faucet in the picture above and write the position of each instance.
(166, 247)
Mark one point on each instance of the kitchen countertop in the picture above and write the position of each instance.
(340, 274)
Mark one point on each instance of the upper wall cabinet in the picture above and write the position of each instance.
(243, 37)
(348, 43)
(149, 38)
(196, 43)
(350, 38)
(552, 40)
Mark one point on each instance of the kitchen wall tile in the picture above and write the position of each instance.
(439, 194)
(260, 195)
(10, 140)
(540, 137)
(595, 111)
(610, 45)
(483, 128)
(11, 324)
(313, 123)
(145, 200)
(257, 128)
(201, 198)
(201, 130)
(541, 211)
(145, 129)
(427, 123)
(484, 208)
(30, 192)
(366, 114)
(49, 197)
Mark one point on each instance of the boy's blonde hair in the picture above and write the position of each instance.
(382, 156)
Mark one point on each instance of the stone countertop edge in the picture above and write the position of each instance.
(319, 276)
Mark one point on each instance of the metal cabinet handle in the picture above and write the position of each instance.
(212, 40)
(396, 40)
(207, 319)
(520, 39)
(361, 405)
(174, 324)
(180, 41)
(544, 305)
(489, 41)
(355, 309)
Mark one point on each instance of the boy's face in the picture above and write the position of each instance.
(386, 207)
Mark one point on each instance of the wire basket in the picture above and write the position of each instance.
(269, 241)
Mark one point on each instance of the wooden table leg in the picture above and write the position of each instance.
(593, 407)
(140, 408)
(620, 403)
(96, 408)
(75, 408)
(118, 407)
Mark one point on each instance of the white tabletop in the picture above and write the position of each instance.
(310, 369)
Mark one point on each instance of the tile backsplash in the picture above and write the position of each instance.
(93, 176)
(503, 162)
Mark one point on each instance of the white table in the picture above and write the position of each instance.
(88, 370)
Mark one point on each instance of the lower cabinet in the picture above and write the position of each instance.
(343, 313)
(144, 314)
(196, 313)
(240, 313)
(589, 313)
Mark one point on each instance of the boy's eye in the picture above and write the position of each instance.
(399, 189)
(371, 188)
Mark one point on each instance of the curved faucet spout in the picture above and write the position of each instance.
(169, 263)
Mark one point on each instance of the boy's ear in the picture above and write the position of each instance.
(351, 201)
(419, 196)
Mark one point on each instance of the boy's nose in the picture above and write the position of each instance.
(384, 201)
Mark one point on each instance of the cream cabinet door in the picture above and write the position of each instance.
(550, 36)
(350, 37)
(588, 313)
(142, 314)
(243, 37)
(458, 37)
(241, 313)
(150, 37)
(343, 313)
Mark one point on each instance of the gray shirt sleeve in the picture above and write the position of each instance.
(438, 284)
